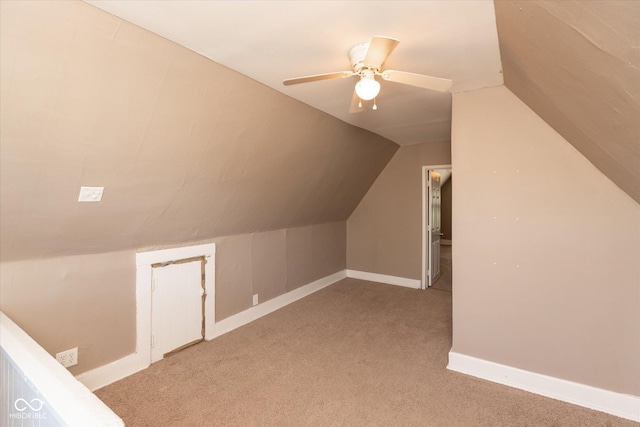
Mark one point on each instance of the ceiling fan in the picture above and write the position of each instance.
(366, 61)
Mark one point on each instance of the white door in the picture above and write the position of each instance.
(434, 230)
(177, 302)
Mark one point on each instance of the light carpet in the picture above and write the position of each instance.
(354, 354)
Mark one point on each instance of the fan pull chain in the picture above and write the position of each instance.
(360, 104)
(375, 107)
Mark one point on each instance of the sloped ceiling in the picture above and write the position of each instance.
(186, 149)
(270, 41)
(189, 149)
(573, 62)
(577, 65)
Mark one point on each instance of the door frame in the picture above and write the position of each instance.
(424, 282)
(144, 260)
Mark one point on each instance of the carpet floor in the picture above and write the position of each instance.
(353, 354)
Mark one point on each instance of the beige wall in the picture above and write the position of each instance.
(384, 233)
(88, 301)
(186, 149)
(546, 272)
(84, 301)
(275, 262)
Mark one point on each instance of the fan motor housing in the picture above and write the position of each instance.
(357, 55)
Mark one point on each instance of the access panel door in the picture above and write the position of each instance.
(177, 302)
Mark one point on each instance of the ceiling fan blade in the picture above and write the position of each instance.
(355, 102)
(318, 77)
(379, 49)
(419, 80)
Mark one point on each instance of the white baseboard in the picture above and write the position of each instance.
(254, 313)
(618, 404)
(128, 365)
(383, 278)
(112, 372)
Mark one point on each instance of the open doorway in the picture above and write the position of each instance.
(436, 227)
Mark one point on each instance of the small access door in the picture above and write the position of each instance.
(434, 230)
(177, 306)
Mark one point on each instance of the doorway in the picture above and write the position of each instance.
(434, 178)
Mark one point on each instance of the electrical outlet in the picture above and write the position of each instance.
(255, 299)
(68, 358)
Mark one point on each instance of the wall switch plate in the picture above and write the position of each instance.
(90, 194)
(255, 299)
(68, 358)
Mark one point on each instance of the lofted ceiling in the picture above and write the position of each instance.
(577, 65)
(188, 148)
(185, 148)
(273, 40)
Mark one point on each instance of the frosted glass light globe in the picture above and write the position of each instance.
(367, 88)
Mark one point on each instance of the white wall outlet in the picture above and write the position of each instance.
(68, 358)
(90, 194)
(255, 299)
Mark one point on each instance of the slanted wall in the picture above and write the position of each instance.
(187, 151)
(576, 64)
(185, 148)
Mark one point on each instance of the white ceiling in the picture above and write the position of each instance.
(273, 40)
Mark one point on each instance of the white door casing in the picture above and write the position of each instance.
(431, 223)
(435, 232)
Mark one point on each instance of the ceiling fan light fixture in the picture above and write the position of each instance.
(367, 88)
(367, 60)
